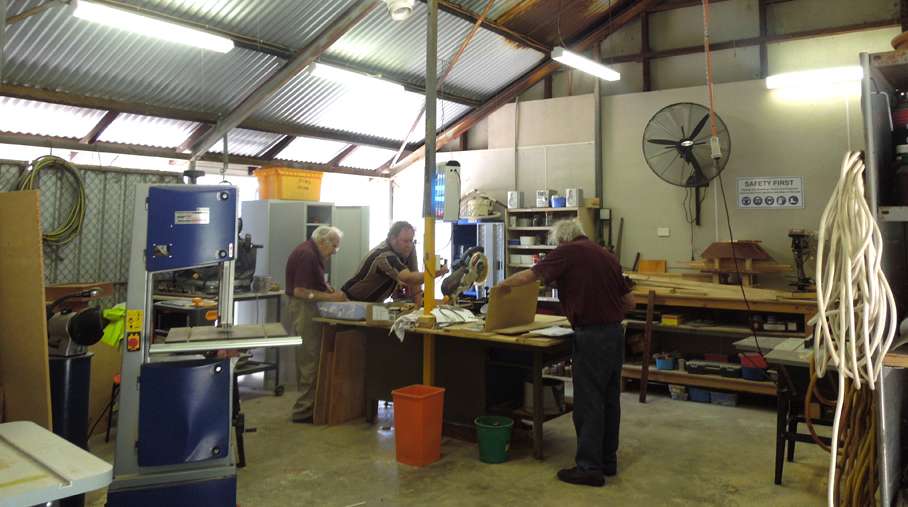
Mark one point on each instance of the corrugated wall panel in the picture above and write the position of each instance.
(100, 253)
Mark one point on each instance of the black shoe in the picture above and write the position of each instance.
(304, 420)
(573, 476)
(610, 474)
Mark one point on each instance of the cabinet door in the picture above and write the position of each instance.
(354, 222)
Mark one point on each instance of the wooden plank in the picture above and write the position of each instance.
(24, 371)
(647, 344)
(651, 266)
(541, 322)
(325, 367)
(707, 381)
(348, 381)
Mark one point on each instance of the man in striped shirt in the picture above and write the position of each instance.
(393, 261)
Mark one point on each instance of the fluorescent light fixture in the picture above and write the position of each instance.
(566, 57)
(354, 80)
(145, 25)
(815, 77)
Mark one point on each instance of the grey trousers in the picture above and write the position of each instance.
(307, 354)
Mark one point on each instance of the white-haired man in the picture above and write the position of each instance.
(595, 297)
(305, 275)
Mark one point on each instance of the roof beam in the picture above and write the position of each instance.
(74, 100)
(335, 162)
(770, 39)
(294, 66)
(278, 147)
(92, 136)
(147, 151)
(528, 80)
(492, 26)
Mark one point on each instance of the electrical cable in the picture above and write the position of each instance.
(72, 225)
(855, 310)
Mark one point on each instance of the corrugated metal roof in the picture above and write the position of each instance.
(288, 23)
(314, 101)
(313, 151)
(55, 51)
(498, 8)
(398, 49)
(247, 143)
(556, 22)
(367, 157)
(41, 118)
(147, 131)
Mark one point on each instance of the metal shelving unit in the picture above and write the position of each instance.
(885, 76)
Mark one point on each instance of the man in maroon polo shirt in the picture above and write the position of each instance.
(306, 286)
(595, 297)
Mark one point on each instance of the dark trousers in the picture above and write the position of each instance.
(596, 372)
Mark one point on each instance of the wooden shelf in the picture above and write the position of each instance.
(732, 331)
(541, 210)
(531, 247)
(634, 371)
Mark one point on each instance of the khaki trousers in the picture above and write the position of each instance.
(307, 354)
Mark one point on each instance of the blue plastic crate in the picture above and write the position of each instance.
(724, 399)
(700, 395)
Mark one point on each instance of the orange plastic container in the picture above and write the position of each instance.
(417, 424)
(277, 182)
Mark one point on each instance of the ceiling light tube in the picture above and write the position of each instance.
(815, 77)
(353, 79)
(152, 27)
(566, 57)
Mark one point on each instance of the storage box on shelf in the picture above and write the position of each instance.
(731, 321)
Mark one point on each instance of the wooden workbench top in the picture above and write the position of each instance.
(470, 331)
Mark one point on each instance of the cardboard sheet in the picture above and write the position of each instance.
(516, 308)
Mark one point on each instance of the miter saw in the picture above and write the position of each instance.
(471, 269)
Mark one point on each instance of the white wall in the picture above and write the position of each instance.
(773, 133)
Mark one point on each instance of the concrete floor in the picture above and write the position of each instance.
(672, 453)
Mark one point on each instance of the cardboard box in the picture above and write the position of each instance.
(387, 313)
(673, 319)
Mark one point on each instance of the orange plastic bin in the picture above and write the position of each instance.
(417, 424)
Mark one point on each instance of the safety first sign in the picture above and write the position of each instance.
(785, 192)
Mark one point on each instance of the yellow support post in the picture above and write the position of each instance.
(429, 287)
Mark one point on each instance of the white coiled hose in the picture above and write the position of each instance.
(853, 297)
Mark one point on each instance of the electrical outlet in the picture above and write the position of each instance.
(662, 232)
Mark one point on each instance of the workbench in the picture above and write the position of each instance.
(801, 310)
(456, 358)
(38, 467)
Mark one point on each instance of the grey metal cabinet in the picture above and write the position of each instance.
(281, 225)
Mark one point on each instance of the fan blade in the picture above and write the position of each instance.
(662, 141)
(699, 127)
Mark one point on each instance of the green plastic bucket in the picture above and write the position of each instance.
(494, 436)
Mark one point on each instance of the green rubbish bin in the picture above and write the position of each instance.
(494, 436)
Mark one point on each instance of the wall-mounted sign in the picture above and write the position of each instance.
(785, 192)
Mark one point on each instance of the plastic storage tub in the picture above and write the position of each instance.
(351, 310)
(700, 395)
(665, 364)
(294, 184)
(678, 392)
(724, 399)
